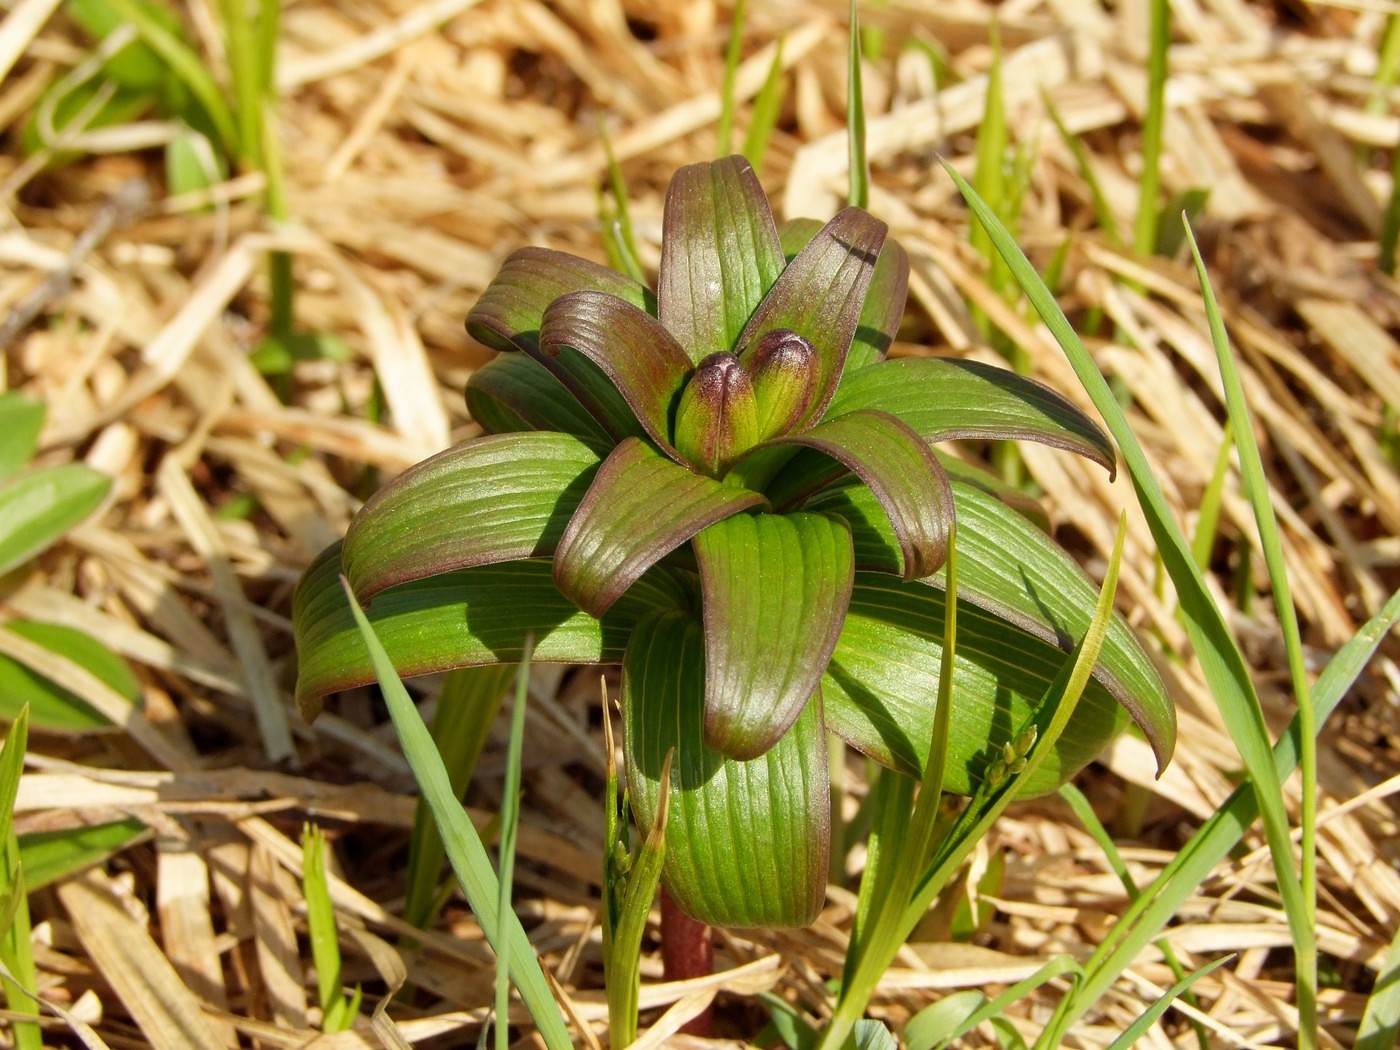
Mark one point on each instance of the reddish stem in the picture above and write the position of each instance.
(687, 950)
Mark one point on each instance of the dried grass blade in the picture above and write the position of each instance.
(122, 951)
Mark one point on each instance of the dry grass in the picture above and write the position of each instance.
(426, 139)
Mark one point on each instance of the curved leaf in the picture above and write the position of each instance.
(884, 301)
(717, 418)
(514, 392)
(21, 419)
(640, 507)
(719, 254)
(820, 297)
(511, 309)
(459, 619)
(1009, 568)
(943, 398)
(883, 677)
(775, 589)
(499, 498)
(38, 507)
(50, 705)
(746, 842)
(900, 470)
(635, 350)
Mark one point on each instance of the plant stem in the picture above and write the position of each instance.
(687, 950)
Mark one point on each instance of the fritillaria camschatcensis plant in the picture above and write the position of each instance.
(724, 486)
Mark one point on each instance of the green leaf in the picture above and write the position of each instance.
(11, 769)
(514, 392)
(884, 299)
(492, 499)
(820, 296)
(717, 418)
(1135, 1031)
(1380, 1021)
(884, 676)
(50, 705)
(511, 310)
(1041, 590)
(783, 367)
(901, 471)
(462, 843)
(459, 619)
(720, 254)
(38, 507)
(945, 399)
(21, 419)
(50, 856)
(635, 350)
(640, 507)
(134, 66)
(746, 842)
(775, 589)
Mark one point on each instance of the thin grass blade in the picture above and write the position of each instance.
(510, 826)
(1159, 1005)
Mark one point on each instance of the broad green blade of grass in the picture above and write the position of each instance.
(48, 856)
(466, 709)
(462, 843)
(1256, 487)
(510, 828)
(858, 194)
(767, 106)
(1159, 1006)
(336, 1015)
(16, 952)
(1222, 663)
(1154, 120)
(724, 130)
(1380, 1021)
(938, 1025)
(1214, 840)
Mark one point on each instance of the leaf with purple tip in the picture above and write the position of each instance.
(640, 507)
(775, 588)
(719, 254)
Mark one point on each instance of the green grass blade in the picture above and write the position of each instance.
(859, 193)
(1390, 221)
(16, 952)
(510, 827)
(462, 843)
(1221, 661)
(1256, 485)
(466, 709)
(247, 78)
(1208, 522)
(1154, 121)
(1098, 200)
(1380, 1021)
(724, 131)
(1160, 1004)
(622, 217)
(185, 64)
(11, 767)
(320, 922)
(767, 106)
(1214, 840)
(930, 1027)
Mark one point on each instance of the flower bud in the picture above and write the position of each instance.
(784, 370)
(717, 419)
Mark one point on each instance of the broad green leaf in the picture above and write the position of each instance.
(640, 507)
(38, 507)
(21, 419)
(884, 300)
(775, 589)
(511, 310)
(459, 619)
(719, 255)
(820, 297)
(746, 842)
(717, 418)
(134, 66)
(191, 164)
(635, 350)
(1040, 590)
(884, 675)
(943, 399)
(514, 392)
(492, 499)
(902, 472)
(462, 842)
(50, 705)
(50, 856)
